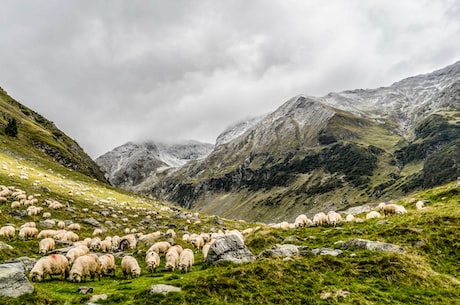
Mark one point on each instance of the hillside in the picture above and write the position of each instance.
(40, 140)
(424, 269)
(332, 152)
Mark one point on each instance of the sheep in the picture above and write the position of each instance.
(186, 237)
(30, 224)
(27, 233)
(8, 232)
(197, 241)
(46, 215)
(319, 219)
(420, 205)
(178, 248)
(186, 261)
(172, 259)
(302, 221)
(160, 247)
(47, 233)
(3, 199)
(130, 267)
(205, 250)
(171, 233)
(54, 264)
(95, 244)
(107, 264)
(86, 242)
(83, 266)
(115, 242)
(128, 242)
(105, 245)
(333, 218)
(350, 218)
(61, 224)
(373, 214)
(45, 245)
(97, 232)
(152, 259)
(74, 227)
(76, 252)
(15, 205)
(392, 209)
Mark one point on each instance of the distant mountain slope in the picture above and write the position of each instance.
(40, 139)
(332, 152)
(131, 164)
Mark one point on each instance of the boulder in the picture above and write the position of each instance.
(13, 281)
(164, 289)
(285, 250)
(357, 243)
(27, 262)
(229, 248)
(91, 221)
(326, 251)
(4, 246)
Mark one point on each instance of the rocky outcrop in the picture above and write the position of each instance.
(164, 289)
(229, 248)
(288, 250)
(365, 244)
(13, 281)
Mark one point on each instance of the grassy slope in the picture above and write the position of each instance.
(427, 274)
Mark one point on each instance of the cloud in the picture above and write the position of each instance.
(110, 72)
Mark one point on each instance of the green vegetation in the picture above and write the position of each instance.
(11, 129)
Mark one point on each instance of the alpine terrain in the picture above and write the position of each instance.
(331, 152)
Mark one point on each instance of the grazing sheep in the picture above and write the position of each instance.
(128, 242)
(83, 266)
(74, 227)
(3, 199)
(420, 205)
(152, 259)
(115, 242)
(76, 252)
(66, 236)
(130, 267)
(54, 264)
(8, 232)
(373, 214)
(333, 218)
(197, 241)
(46, 214)
(160, 247)
(172, 259)
(105, 245)
(47, 233)
(30, 224)
(61, 224)
(45, 245)
(350, 218)
(393, 209)
(186, 237)
(302, 221)
(15, 205)
(205, 250)
(178, 248)
(27, 233)
(171, 233)
(107, 264)
(97, 232)
(319, 219)
(186, 261)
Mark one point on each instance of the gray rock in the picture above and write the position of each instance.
(91, 221)
(229, 248)
(285, 250)
(13, 281)
(290, 239)
(4, 246)
(382, 222)
(27, 262)
(358, 243)
(164, 289)
(97, 297)
(46, 224)
(105, 213)
(326, 251)
(85, 290)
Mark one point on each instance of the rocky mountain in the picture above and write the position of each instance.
(331, 152)
(129, 165)
(39, 139)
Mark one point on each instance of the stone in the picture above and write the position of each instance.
(285, 250)
(97, 297)
(229, 248)
(4, 246)
(13, 281)
(326, 251)
(164, 289)
(357, 243)
(105, 213)
(91, 221)
(290, 239)
(85, 290)
(27, 262)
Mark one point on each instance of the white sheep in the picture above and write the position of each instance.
(302, 221)
(152, 259)
(47, 233)
(27, 233)
(105, 245)
(373, 214)
(115, 242)
(76, 252)
(45, 245)
(420, 205)
(172, 259)
(128, 242)
(29, 224)
(319, 219)
(107, 264)
(45, 215)
(333, 218)
(130, 267)
(74, 227)
(197, 241)
(54, 264)
(171, 233)
(160, 247)
(61, 224)
(186, 261)
(83, 266)
(8, 232)
(205, 250)
(97, 232)
(350, 218)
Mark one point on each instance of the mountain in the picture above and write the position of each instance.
(331, 152)
(39, 139)
(129, 165)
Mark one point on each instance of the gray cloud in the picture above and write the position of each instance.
(107, 72)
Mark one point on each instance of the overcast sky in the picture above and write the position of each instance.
(107, 72)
